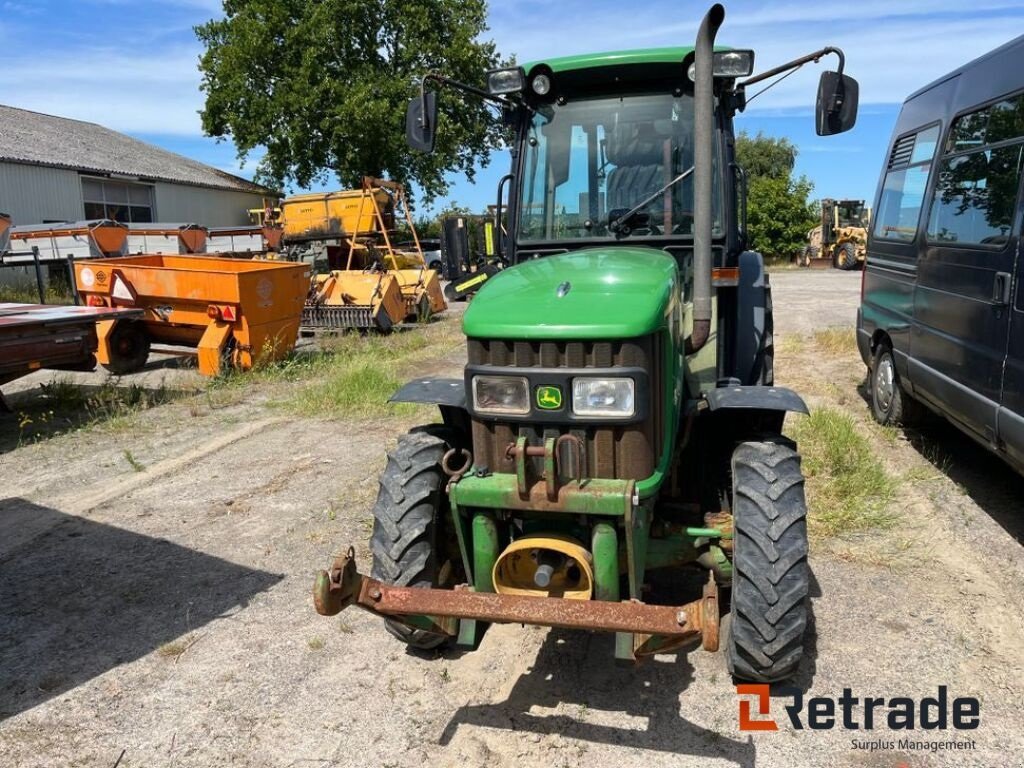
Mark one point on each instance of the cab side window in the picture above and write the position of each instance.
(906, 178)
(979, 177)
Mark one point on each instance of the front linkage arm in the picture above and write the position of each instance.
(656, 628)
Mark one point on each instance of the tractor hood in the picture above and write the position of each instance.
(613, 292)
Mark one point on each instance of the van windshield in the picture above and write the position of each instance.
(588, 158)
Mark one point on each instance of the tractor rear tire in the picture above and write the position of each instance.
(129, 347)
(406, 519)
(846, 256)
(770, 572)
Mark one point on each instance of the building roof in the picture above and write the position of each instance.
(59, 142)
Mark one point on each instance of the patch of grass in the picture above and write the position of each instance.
(64, 405)
(361, 390)
(175, 648)
(315, 643)
(848, 488)
(835, 341)
(27, 293)
(351, 374)
(135, 464)
(792, 344)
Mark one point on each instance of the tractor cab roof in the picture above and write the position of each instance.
(672, 55)
(616, 71)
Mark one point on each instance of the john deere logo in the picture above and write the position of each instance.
(549, 398)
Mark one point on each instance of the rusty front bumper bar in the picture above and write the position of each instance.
(656, 628)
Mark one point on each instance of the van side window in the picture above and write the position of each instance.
(906, 177)
(976, 193)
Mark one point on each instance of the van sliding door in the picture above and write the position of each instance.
(962, 301)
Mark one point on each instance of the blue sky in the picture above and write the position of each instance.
(131, 65)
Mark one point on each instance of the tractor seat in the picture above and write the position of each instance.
(637, 154)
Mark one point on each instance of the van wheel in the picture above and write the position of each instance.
(890, 404)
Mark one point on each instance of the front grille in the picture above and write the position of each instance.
(625, 452)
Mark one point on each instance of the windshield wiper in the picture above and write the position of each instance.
(620, 224)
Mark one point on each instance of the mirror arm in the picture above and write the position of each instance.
(441, 80)
(811, 57)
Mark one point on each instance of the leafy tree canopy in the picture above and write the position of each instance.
(765, 156)
(779, 214)
(323, 87)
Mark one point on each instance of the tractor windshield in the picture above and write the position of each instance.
(590, 158)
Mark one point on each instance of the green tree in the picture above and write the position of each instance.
(322, 86)
(765, 156)
(779, 214)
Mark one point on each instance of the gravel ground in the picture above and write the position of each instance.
(161, 614)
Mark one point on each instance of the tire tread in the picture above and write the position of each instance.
(770, 571)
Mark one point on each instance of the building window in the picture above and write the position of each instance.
(118, 200)
(906, 178)
(976, 193)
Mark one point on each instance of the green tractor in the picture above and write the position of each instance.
(617, 424)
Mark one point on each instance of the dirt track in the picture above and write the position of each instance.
(165, 613)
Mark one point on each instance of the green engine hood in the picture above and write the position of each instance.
(614, 292)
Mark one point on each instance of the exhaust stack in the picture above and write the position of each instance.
(703, 135)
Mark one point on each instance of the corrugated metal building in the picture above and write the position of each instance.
(55, 169)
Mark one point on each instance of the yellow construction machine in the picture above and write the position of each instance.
(841, 239)
(379, 286)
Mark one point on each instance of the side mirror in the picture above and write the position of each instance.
(421, 122)
(836, 110)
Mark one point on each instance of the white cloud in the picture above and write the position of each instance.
(154, 91)
(151, 84)
(892, 48)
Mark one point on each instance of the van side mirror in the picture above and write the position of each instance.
(836, 110)
(421, 122)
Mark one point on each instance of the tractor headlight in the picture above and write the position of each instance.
(501, 82)
(501, 395)
(729, 64)
(603, 397)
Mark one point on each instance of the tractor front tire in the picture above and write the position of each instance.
(129, 347)
(770, 572)
(406, 519)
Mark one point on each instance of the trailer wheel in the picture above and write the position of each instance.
(226, 359)
(846, 256)
(129, 347)
(770, 575)
(406, 519)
